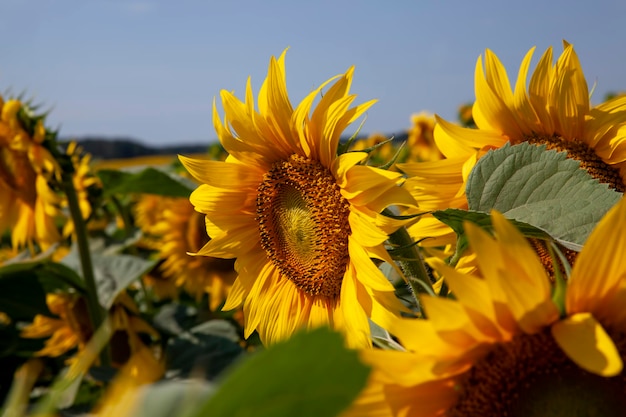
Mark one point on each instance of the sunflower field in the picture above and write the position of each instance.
(299, 268)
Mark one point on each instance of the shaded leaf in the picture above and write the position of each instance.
(171, 398)
(173, 318)
(147, 181)
(455, 218)
(112, 273)
(23, 287)
(200, 354)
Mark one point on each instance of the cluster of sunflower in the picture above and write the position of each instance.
(473, 270)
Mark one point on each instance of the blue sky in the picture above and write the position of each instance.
(150, 69)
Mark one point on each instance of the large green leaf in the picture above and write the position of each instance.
(311, 374)
(541, 188)
(148, 181)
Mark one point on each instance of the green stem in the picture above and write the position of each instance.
(96, 312)
(128, 229)
(412, 263)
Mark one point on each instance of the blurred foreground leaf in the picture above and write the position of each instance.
(541, 188)
(312, 374)
(148, 181)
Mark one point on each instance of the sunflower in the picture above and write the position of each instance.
(83, 179)
(147, 211)
(302, 221)
(71, 328)
(510, 346)
(181, 230)
(420, 142)
(123, 394)
(28, 206)
(554, 110)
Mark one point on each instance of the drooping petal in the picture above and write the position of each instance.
(586, 343)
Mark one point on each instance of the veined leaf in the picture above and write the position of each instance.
(113, 273)
(541, 188)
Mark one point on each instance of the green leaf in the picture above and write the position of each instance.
(172, 398)
(311, 374)
(173, 319)
(455, 218)
(148, 181)
(113, 273)
(541, 188)
(201, 353)
(23, 287)
(382, 339)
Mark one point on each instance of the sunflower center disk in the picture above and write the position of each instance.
(541, 248)
(588, 159)
(303, 222)
(531, 377)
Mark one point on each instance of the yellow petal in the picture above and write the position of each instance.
(235, 297)
(497, 77)
(474, 293)
(452, 322)
(208, 199)
(599, 269)
(308, 133)
(344, 163)
(222, 174)
(569, 95)
(515, 245)
(538, 91)
(234, 243)
(366, 270)
(525, 113)
(263, 279)
(446, 139)
(363, 230)
(585, 342)
(354, 302)
(490, 110)
(474, 138)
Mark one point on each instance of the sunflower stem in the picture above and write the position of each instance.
(128, 229)
(96, 312)
(411, 262)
